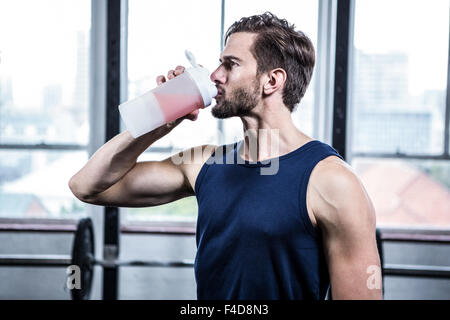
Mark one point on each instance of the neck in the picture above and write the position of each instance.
(269, 132)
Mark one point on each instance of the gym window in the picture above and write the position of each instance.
(399, 110)
(44, 106)
(398, 99)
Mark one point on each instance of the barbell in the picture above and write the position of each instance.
(83, 256)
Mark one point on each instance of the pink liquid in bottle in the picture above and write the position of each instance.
(175, 106)
(170, 101)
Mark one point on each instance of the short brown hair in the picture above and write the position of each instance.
(279, 45)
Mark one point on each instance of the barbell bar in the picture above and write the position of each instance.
(83, 256)
(36, 260)
(18, 260)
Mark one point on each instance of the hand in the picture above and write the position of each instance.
(170, 75)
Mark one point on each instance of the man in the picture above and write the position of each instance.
(287, 234)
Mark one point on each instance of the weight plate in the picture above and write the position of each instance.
(83, 257)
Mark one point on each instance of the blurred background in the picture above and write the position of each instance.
(386, 108)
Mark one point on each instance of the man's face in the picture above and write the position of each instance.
(238, 86)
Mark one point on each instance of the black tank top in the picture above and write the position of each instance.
(254, 237)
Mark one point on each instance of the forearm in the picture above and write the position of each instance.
(112, 161)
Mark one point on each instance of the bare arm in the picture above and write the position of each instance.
(112, 176)
(346, 218)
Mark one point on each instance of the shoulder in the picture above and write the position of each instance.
(332, 175)
(337, 192)
(190, 161)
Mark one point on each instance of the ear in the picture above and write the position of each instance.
(274, 80)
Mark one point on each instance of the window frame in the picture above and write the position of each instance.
(55, 224)
(398, 155)
(155, 227)
(97, 95)
(346, 29)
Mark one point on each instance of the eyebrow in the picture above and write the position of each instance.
(229, 57)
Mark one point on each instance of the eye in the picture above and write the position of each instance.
(229, 64)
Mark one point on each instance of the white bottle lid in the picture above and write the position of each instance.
(204, 84)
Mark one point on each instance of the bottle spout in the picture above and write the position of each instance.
(191, 58)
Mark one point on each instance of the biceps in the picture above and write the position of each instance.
(147, 184)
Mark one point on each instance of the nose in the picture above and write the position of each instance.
(218, 75)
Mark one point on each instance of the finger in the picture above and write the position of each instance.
(179, 70)
(170, 74)
(193, 115)
(160, 80)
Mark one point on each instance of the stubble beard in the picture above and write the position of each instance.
(240, 103)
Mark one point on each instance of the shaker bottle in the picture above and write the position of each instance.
(173, 99)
